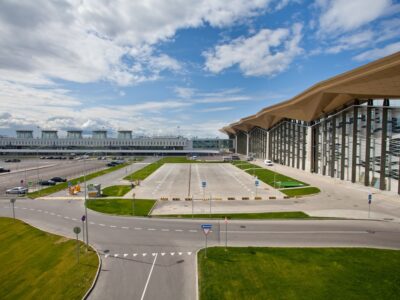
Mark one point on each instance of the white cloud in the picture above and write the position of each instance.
(357, 40)
(344, 15)
(217, 109)
(94, 40)
(378, 52)
(268, 52)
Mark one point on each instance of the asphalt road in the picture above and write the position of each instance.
(155, 258)
(35, 169)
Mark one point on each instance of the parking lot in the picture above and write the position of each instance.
(33, 170)
(222, 181)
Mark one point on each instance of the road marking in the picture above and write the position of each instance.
(59, 216)
(302, 232)
(134, 254)
(144, 254)
(125, 254)
(154, 254)
(92, 223)
(113, 226)
(52, 214)
(148, 278)
(106, 255)
(189, 253)
(163, 253)
(116, 255)
(102, 225)
(73, 219)
(192, 230)
(179, 253)
(164, 229)
(39, 210)
(124, 227)
(31, 209)
(138, 228)
(151, 229)
(66, 217)
(178, 230)
(172, 253)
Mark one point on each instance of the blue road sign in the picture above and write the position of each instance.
(257, 182)
(206, 228)
(203, 184)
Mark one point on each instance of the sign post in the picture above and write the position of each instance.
(256, 183)
(369, 204)
(206, 230)
(83, 218)
(77, 230)
(204, 185)
(12, 201)
(226, 233)
(133, 204)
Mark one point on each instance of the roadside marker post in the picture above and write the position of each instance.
(256, 183)
(77, 230)
(226, 233)
(206, 230)
(12, 201)
(369, 205)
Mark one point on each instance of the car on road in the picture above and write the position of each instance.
(47, 182)
(12, 160)
(235, 157)
(3, 170)
(58, 179)
(268, 163)
(19, 190)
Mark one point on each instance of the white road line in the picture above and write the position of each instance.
(59, 216)
(172, 253)
(179, 253)
(124, 227)
(163, 253)
(134, 254)
(113, 226)
(66, 217)
(92, 223)
(73, 219)
(189, 253)
(144, 254)
(151, 229)
(154, 254)
(164, 229)
(178, 230)
(102, 225)
(125, 254)
(138, 228)
(106, 255)
(148, 278)
(116, 255)
(302, 232)
(192, 230)
(22, 208)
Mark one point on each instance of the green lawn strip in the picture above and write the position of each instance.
(122, 206)
(40, 265)
(116, 190)
(63, 185)
(270, 215)
(151, 168)
(299, 273)
(300, 191)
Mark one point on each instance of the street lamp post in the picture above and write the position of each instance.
(77, 230)
(86, 215)
(12, 201)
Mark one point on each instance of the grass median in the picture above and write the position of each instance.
(299, 273)
(64, 185)
(116, 190)
(125, 207)
(151, 168)
(40, 265)
(248, 216)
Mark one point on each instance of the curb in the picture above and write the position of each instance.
(197, 273)
(89, 291)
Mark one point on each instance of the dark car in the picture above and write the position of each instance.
(47, 182)
(58, 179)
(112, 164)
(3, 170)
(13, 160)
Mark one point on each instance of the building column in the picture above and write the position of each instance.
(333, 147)
(236, 143)
(343, 146)
(311, 148)
(293, 140)
(382, 174)
(247, 143)
(354, 144)
(324, 146)
(368, 143)
(306, 141)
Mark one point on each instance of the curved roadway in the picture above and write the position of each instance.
(156, 258)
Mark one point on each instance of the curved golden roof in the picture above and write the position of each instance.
(376, 80)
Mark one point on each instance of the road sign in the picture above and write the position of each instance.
(257, 182)
(206, 228)
(369, 198)
(77, 230)
(83, 218)
(203, 184)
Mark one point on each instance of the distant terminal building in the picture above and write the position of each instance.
(99, 140)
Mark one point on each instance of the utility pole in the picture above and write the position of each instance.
(12, 201)
(86, 215)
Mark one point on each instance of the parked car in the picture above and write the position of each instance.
(47, 182)
(3, 170)
(13, 160)
(58, 179)
(249, 158)
(268, 163)
(113, 164)
(235, 157)
(19, 190)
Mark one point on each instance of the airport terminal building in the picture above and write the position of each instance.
(346, 127)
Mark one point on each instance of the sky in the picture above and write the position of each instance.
(175, 67)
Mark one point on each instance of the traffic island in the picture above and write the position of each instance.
(124, 207)
(298, 273)
(40, 265)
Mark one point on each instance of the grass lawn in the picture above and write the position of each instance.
(40, 265)
(149, 169)
(64, 185)
(270, 215)
(299, 273)
(121, 206)
(300, 191)
(273, 178)
(116, 190)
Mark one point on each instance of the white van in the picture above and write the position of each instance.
(268, 163)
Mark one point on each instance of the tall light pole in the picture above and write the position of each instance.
(86, 215)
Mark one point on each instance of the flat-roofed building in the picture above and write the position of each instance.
(74, 134)
(49, 134)
(24, 134)
(99, 134)
(125, 134)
